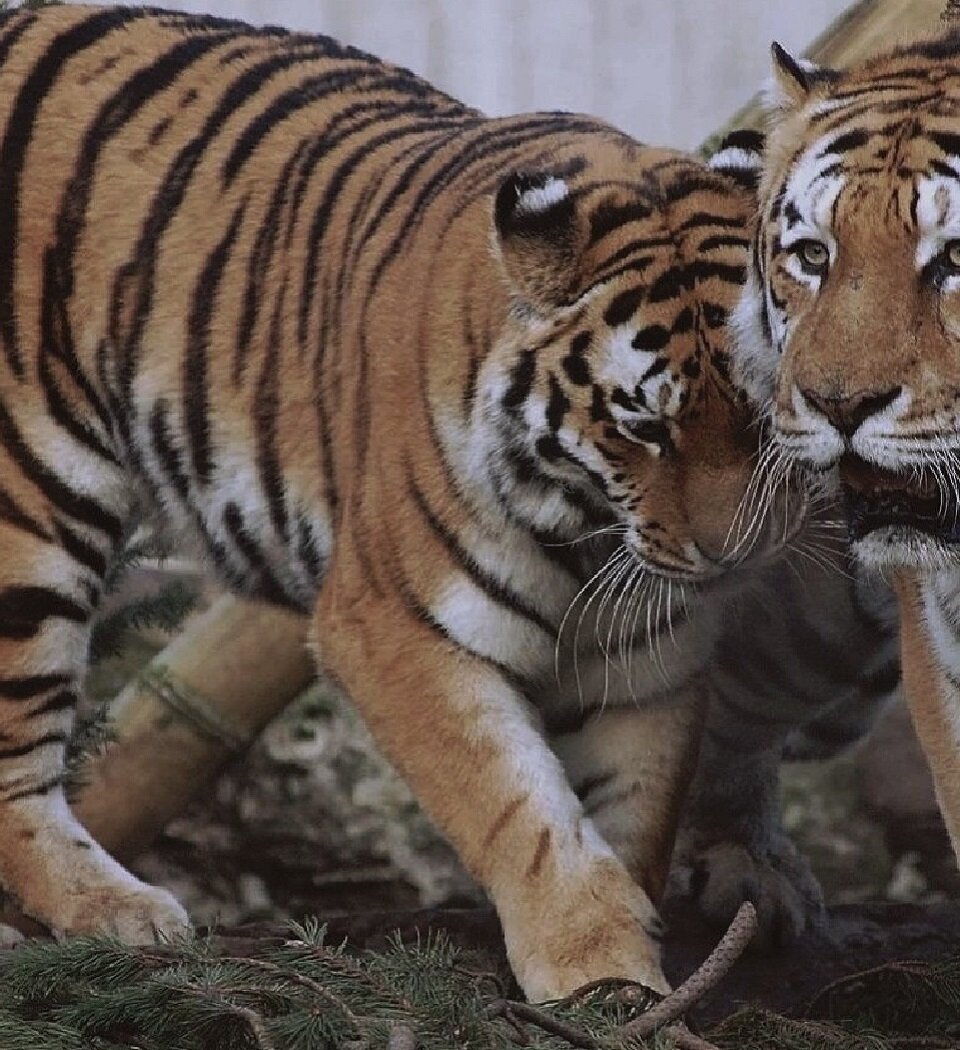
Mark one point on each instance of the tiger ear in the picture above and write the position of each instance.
(793, 80)
(538, 234)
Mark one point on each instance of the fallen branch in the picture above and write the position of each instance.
(732, 945)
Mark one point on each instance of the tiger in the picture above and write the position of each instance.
(848, 331)
(455, 388)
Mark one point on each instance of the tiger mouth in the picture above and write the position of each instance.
(877, 498)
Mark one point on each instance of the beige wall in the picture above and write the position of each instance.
(668, 71)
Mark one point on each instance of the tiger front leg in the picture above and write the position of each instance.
(48, 862)
(467, 743)
(632, 768)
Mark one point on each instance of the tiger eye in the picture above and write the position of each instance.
(952, 254)
(814, 254)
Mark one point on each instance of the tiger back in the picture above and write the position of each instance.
(456, 387)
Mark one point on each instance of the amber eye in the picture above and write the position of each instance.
(813, 255)
(951, 253)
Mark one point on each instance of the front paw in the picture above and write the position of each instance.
(131, 911)
(605, 927)
(777, 880)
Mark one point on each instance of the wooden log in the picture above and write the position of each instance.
(200, 702)
(241, 664)
(865, 29)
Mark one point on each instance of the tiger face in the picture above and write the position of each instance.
(850, 326)
(610, 395)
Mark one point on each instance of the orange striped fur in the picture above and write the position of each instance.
(434, 378)
(850, 332)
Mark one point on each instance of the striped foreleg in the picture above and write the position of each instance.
(930, 658)
(50, 569)
(632, 769)
(468, 744)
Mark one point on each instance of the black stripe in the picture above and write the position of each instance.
(728, 240)
(949, 142)
(493, 588)
(80, 508)
(267, 585)
(122, 107)
(169, 456)
(26, 688)
(24, 610)
(12, 514)
(196, 394)
(624, 306)
(354, 78)
(15, 147)
(43, 788)
(260, 258)
(608, 217)
(308, 551)
(19, 750)
(706, 218)
(333, 187)
(493, 140)
(64, 700)
(140, 271)
(265, 409)
(403, 180)
(521, 380)
(61, 413)
(845, 142)
(81, 551)
(419, 611)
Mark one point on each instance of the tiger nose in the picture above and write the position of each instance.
(847, 413)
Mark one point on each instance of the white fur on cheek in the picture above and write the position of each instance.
(809, 435)
(754, 359)
(938, 222)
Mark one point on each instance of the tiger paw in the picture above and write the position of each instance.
(777, 880)
(131, 911)
(607, 929)
(544, 976)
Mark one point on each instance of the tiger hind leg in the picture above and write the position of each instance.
(51, 566)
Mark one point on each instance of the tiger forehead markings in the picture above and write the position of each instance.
(392, 364)
(849, 331)
(854, 288)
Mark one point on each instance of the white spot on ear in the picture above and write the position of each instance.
(735, 159)
(542, 198)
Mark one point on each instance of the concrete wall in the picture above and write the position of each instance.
(668, 71)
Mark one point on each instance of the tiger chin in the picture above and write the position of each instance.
(850, 331)
(457, 388)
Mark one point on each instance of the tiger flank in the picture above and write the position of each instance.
(849, 332)
(456, 387)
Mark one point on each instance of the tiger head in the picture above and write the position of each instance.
(849, 329)
(610, 395)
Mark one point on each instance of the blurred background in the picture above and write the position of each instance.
(666, 71)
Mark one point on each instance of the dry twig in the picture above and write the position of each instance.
(706, 976)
